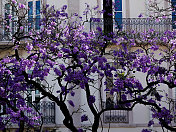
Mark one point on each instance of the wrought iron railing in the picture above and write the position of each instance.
(124, 24)
(134, 24)
(115, 116)
(47, 111)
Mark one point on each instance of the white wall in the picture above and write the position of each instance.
(136, 8)
(140, 113)
(57, 3)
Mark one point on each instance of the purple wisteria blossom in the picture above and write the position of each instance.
(91, 99)
(84, 118)
(71, 103)
(65, 63)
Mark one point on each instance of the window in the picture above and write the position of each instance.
(34, 14)
(33, 98)
(112, 99)
(33, 95)
(118, 14)
(45, 108)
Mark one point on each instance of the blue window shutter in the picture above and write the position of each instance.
(30, 14)
(118, 19)
(174, 15)
(118, 14)
(37, 21)
(118, 5)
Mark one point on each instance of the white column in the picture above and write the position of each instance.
(166, 5)
(100, 4)
(127, 7)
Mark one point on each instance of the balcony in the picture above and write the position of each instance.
(134, 24)
(45, 108)
(115, 116)
(9, 28)
(47, 111)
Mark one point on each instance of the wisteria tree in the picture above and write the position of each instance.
(77, 59)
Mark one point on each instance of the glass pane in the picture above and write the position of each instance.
(29, 100)
(37, 101)
(173, 20)
(13, 11)
(109, 100)
(37, 92)
(37, 18)
(37, 7)
(37, 98)
(37, 22)
(29, 92)
(30, 15)
(30, 8)
(29, 72)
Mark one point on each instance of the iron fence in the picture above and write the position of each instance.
(115, 116)
(47, 111)
(134, 24)
(7, 29)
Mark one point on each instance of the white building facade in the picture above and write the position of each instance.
(128, 13)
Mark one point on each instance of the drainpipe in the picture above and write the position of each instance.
(107, 16)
